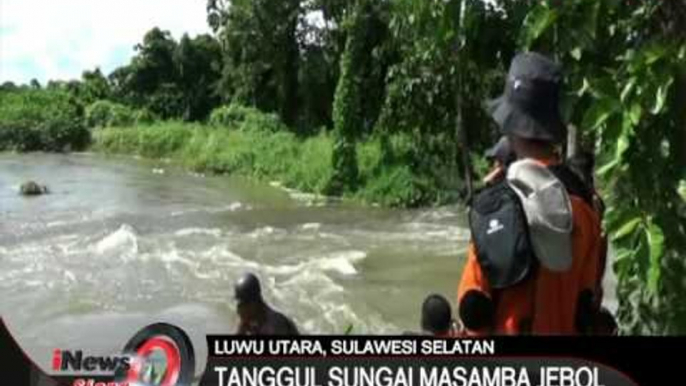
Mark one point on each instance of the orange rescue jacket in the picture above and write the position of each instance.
(545, 303)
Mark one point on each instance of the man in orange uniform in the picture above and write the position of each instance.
(554, 297)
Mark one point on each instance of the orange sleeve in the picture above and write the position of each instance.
(591, 273)
(472, 276)
(473, 279)
(592, 276)
(593, 248)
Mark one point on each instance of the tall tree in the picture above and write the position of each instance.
(261, 53)
(94, 86)
(198, 65)
(151, 80)
(349, 103)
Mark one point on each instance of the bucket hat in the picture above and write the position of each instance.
(529, 106)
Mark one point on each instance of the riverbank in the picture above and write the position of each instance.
(298, 163)
(390, 169)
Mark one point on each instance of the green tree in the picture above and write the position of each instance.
(94, 86)
(198, 63)
(150, 80)
(625, 75)
(442, 69)
(261, 53)
(8, 86)
(349, 103)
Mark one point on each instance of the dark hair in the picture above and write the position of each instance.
(540, 142)
(436, 314)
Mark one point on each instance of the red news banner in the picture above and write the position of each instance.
(390, 361)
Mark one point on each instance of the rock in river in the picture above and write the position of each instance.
(32, 188)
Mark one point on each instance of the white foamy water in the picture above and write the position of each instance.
(123, 240)
(215, 232)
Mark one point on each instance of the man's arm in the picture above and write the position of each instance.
(242, 328)
(475, 305)
(588, 303)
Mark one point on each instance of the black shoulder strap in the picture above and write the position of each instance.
(574, 185)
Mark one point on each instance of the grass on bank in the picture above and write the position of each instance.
(299, 163)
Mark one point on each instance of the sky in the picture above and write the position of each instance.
(59, 39)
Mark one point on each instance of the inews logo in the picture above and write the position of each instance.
(64, 360)
(158, 355)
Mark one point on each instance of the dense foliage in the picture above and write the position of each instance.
(383, 99)
(171, 79)
(240, 117)
(104, 113)
(40, 120)
(626, 73)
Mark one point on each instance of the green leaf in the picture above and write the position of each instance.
(536, 23)
(622, 145)
(622, 262)
(604, 87)
(591, 19)
(585, 86)
(682, 189)
(608, 167)
(656, 240)
(628, 88)
(616, 217)
(626, 229)
(661, 97)
(576, 53)
(654, 53)
(599, 112)
(641, 255)
(622, 254)
(634, 114)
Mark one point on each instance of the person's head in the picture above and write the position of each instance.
(248, 295)
(436, 315)
(532, 148)
(528, 111)
(501, 154)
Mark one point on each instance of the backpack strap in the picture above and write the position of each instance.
(573, 183)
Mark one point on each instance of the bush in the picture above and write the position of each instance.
(386, 176)
(394, 185)
(144, 117)
(239, 117)
(108, 114)
(48, 120)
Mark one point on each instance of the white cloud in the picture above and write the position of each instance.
(58, 39)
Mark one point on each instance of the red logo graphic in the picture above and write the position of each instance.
(162, 356)
(145, 365)
(158, 355)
